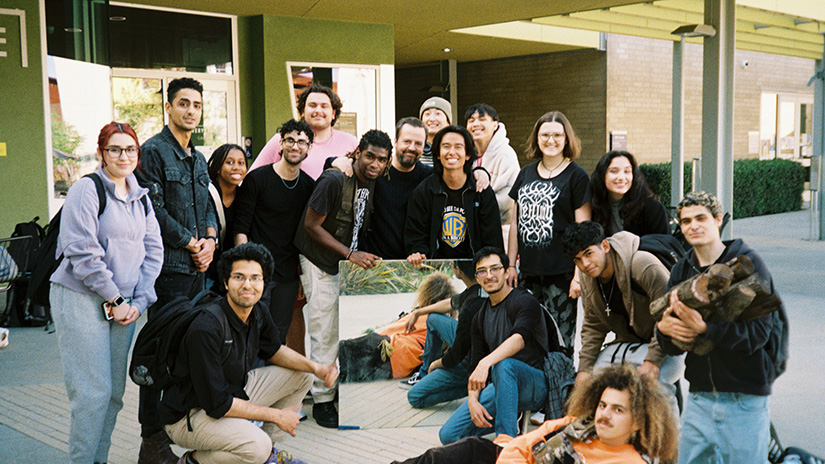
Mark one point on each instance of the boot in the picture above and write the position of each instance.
(155, 450)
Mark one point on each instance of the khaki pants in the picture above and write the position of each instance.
(321, 310)
(230, 440)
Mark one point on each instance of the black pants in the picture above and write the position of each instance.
(470, 450)
(280, 297)
(168, 287)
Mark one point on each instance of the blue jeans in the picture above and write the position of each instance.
(439, 386)
(515, 387)
(440, 330)
(725, 428)
(93, 352)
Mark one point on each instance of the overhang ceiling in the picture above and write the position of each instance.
(488, 29)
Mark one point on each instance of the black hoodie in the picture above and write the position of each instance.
(739, 361)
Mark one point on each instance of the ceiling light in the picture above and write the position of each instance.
(695, 30)
(447, 49)
(117, 18)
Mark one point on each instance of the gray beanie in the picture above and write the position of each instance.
(439, 104)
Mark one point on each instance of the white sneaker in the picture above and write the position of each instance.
(414, 379)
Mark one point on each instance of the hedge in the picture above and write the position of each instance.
(759, 187)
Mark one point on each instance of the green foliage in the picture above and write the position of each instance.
(388, 277)
(64, 136)
(759, 187)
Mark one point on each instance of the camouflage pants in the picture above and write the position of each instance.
(552, 292)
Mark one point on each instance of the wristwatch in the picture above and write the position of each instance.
(118, 301)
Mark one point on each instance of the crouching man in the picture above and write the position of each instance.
(613, 416)
(211, 410)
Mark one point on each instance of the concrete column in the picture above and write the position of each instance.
(453, 65)
(717, 104)
(817, 171)
(677, 132)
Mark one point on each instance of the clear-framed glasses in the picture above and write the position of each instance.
(241, 279)
(557, 136)
(115, 152)
(289, 142)
(482, 273)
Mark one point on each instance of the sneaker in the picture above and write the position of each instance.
(537, 418)
(325, 414)
(302, 416)
(409, 383)
(282, 457)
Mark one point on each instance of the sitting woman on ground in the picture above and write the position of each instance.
(104, 282)
(622, 200)
(550, 194)
(227, 169)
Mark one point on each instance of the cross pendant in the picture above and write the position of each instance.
(607, 310)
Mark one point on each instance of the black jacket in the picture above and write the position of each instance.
(739, 361)
(426, 207)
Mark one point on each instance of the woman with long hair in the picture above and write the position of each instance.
(227, 169)
(104, 282)
(550, 194)
(622, 200)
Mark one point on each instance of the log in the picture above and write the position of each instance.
(742, 266)
(733, 303)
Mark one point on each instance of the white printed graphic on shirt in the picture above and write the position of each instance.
(361, 196)
(453, 226)
(535, 212)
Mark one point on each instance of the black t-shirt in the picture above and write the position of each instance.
(268, 210)
(328, 189)
(545, 208)
(618, 312)
(362, 194)
(385, 237)
(453, 235)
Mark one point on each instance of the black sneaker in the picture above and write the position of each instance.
(414, 379)
(325, 414)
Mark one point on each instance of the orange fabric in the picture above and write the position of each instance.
(407, 347)
(518, 450)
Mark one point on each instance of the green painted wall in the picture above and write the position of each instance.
(23, 189)
(271, 41)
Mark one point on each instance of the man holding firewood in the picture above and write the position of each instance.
(734, 355)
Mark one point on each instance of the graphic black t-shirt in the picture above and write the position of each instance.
(453, 237)
(361, 197)
(545, 208)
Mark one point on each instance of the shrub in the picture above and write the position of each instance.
(759, 187)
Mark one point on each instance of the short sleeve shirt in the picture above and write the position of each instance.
(545, 208)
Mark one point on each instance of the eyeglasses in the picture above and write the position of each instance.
(482, 273)
(557, 136)
(240, 278)
(115, 152)
(289, 142)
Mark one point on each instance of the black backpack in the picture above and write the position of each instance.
(156, 348)
(665, 247)
(45, 261)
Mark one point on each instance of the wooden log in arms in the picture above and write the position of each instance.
(697, 292)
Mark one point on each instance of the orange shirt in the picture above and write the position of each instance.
(518, 450)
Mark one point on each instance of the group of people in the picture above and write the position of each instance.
(316, 196)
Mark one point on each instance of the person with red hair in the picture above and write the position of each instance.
(103, 284)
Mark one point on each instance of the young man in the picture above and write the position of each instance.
(212, 410)
(618, 416)
(330, 230)
(618, 283)
(268, 210)
(176, 175)
(320, 107)
(436, 113)
(444, 378)
(446, 217)
(727, 418)
(509, 344)
(495, 155)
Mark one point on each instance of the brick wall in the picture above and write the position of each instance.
(521, 89)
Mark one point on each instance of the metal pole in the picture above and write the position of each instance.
(717, 104)
(817, 174)
(677, 166)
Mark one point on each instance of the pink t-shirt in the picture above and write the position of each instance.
(338, 144)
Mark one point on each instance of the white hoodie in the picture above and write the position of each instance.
(501, 161)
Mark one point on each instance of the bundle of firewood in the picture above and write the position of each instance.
(725, 292)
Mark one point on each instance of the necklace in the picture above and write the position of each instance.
(551, 171)
(605, 298)
(294, 182)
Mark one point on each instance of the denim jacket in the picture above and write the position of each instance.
(179, 188)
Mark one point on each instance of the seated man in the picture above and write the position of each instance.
(613, 416)
(618, 282)
(212, 409)
(444, 378)
(509, 344)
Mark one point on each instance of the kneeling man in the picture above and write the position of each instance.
(212, 409)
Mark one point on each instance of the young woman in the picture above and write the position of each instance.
(104, 283)
(550, 194)
(227, 169)
(622, 199)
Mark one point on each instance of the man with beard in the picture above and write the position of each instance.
(270, 203)
(337, 212)
(509, 344)
(320, 107)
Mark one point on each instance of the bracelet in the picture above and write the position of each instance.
(212, 237)
(349, 254)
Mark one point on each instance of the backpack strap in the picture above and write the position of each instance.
(101, 193)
